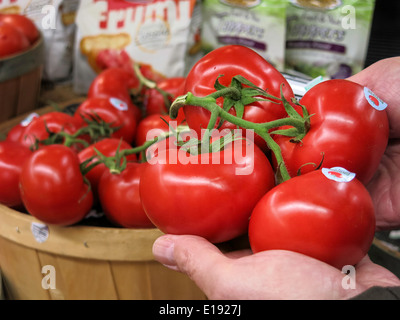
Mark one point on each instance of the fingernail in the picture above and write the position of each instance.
(163, 251)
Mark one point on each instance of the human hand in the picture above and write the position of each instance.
(274, 274)
(278, 274)
(383, 79)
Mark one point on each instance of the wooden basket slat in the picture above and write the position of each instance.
(91, 263)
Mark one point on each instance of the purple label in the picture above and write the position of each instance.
(318, 45)
(244, 42)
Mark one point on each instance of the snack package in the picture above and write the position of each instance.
(328, 37)
(55, 20)
(257, 24)
(155, 33)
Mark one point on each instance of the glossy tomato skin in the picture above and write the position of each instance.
(120, 198)
(108, 148)
(113, 111)
(23, 24)
(55, 121)
(210, 200)
(16, 133)
(345, 131)
(115, 82)
(328, 220)
(154, 100)
(230, 61)
(158, 122)
(52, 186)
(12, 157)
(12, 41)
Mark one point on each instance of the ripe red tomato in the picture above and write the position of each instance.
(158, 122)
(149, 73)
(16, 132)
(108, 148)
(120, 198)
(171, 142)
(112, 111)
(113, 58)
(52, 186)
(12, 157)
(230, 61)
(55, 121)
(194, 194)
(23, 24)
(11, 40)
(332, 221)
(115, 82)
(154, 101)
(345, 130)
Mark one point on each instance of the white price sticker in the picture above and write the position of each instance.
(374, 100)
(40, 231)
(338, 174)
(119, 104)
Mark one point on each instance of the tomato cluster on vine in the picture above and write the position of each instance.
(296, 183)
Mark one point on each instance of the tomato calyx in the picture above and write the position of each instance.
(245, 94)
(115, 164)
(300, 123)
(118, 163)
(242, 92)
(96, 128)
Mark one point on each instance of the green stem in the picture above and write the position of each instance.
(114, 163)
(211, 124)
(232, 92)
(142, 79)
(261, 129)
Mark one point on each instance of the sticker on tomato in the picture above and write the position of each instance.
(25, 122)
(374, 100)
(338, 174)
(119, 104)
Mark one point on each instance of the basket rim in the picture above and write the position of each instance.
(39, 42)
(87, 242)
(20, 63)
(79, 241)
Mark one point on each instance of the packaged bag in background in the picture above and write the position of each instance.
(328, 37)
(154, 33)
(59, 43)
(257, 24)
(55, 19)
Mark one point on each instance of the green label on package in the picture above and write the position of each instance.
(257, 24)
(328, 38)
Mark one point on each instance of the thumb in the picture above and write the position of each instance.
(193, 256)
